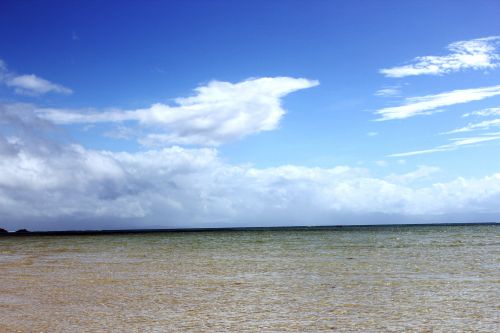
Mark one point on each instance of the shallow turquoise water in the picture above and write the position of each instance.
(390, 279)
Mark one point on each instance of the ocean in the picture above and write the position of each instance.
(367, 279)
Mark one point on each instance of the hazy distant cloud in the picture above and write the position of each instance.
(382, 163)
(372, 133)
(470, 54)
(414, 106)
(455, 144)
(424, 151)
(388, 92)
(218, 112)
(421, 173)
(483, 113)
(476, 139)
(120, 132)
(29, 84)
(483, 125)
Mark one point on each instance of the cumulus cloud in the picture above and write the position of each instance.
(30, 84)
(218, 112)
(37, 171)
(470, 54)
(44, 178)
(456, 143)
(425, 105)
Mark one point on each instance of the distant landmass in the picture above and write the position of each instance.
(25, 232)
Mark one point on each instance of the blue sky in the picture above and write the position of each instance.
(260, 112)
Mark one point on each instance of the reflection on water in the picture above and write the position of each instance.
(415, 279)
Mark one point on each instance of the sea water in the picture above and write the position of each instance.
(383, 279)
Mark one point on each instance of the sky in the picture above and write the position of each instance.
(159, 114)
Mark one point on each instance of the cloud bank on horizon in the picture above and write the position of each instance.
(43, 180)
(72, 164)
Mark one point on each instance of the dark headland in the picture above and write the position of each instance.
(24, 232)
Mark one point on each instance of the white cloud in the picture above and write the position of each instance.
(30, 84)
(483, 125)
(455, 144)
(424, 151)
(483, 113)
(44, 180)
(34, 85)
(388, 92)
(470, 54)
(421, 173)
(217, 113)
(424, 105)
(475, 139)
(372, 133)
